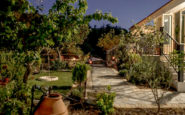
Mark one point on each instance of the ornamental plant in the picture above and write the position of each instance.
(105, 101)
(79, 73)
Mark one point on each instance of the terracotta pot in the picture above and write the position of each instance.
(52, 105)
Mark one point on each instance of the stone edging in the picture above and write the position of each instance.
(149, 106)
(88, 82)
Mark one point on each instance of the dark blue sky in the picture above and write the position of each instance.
(128, 12)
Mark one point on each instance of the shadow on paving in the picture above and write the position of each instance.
(110, 77)
(128, 94)
(98, 65)
(112, 85)
(168, 97)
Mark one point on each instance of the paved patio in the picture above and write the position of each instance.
(128, 95)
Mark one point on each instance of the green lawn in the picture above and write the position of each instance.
(65, 79)
(60, 86)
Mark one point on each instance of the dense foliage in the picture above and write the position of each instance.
(147, 70)
(90, 44)
(15, 99)
(79, 73)
(24, 30)
(58, 65)
(24, 33)
(109, 40)
(105, 101)
(70, 23)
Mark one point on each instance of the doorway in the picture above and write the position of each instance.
(168, 26)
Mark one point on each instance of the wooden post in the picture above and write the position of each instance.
(181, 63)
(161, 48)
(161, 44)
(107, 58)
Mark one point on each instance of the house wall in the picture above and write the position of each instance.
(174, 9)
(176, 28)
(158, 22)
(171, 6)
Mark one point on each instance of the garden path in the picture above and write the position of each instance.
(127, 94)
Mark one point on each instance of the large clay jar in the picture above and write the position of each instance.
(52, 105)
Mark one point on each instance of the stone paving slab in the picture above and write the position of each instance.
(129, 95)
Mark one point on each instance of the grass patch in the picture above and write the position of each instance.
(64, 79)
(62, 85)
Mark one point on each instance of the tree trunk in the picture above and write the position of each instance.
(80, 84)
(59, 54)
(85, 93)
(27, 73)
(159, 107)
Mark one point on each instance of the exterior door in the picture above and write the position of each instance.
(168, 26)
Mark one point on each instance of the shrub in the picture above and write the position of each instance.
(123, 72)
(126, 60)
(56, 65)
(109, 40)
(134, 58)
(140, 72)
(105, 101)
(15, 99)
(136, 74)
(11, 65)
(79, 73)
(77, 93)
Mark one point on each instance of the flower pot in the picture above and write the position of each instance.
(52, 105)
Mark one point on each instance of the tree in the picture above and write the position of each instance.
(23, 30)
(150, 70)
(155, 75)
(90, 44)
(70, 21)
(109, 40)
